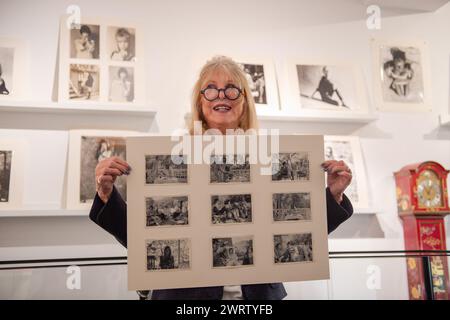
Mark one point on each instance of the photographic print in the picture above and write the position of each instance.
(234, 208)
(327, 86)
(6, 70)
(402, 76)
(229, 168)
(348, 149)
(121, 84)
(232, 251)
(85, 42)
(168, 254)
(121, 44)
(230, 226)
(162, 169)
(293, 248)
(84, 82)
(97, 60)
(291, 206)
(5, 174)
(93, 150)
(166, 211)
(256, 80)
(290, 167)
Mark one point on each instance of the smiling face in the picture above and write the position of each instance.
(222, 113)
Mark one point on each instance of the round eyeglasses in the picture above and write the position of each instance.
(211, 93)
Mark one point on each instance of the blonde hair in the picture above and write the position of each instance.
(248, 118)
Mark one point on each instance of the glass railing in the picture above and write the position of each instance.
(353, 275)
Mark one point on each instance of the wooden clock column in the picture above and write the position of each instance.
(422, 201)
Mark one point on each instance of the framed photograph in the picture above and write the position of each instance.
(12, 158)
(86, 149)
(211, 229)
(261, 77)
(324, 87)
(348, 149)
(13, 69)
(401, 75)
(99, 65)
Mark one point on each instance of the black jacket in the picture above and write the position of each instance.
(112, 217)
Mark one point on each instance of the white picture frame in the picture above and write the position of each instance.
(88, 73)
(16, 150)
(348, 149)
(410, 90)
(196, 266)
(14, 64)
(308, 96)
(80, 197)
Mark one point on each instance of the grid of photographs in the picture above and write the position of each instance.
(99, 63)
(227, 209)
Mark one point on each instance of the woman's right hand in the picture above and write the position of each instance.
(106, 173)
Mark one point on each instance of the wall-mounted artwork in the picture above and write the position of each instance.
(13, 68)
(12, 157)
(401, 76)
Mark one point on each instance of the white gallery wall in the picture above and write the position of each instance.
(178, 36)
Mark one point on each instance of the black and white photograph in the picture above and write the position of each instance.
(85, 42)
(327, 87)
(291, 206)
(161, 169)
(121, 44)
(342, 150)
(236, 208)
(290, 166)
(230, 168)
(256, 80)
(168, 254)
(5, 174)
(6, 70)
(293, 248)
(232, 251)
(92, 151)
(121, 84)
(401, 74)
(166, 211)
(84, 82)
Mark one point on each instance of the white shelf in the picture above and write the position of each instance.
(444, 120)
(294, 117)
(56, 116)
(26, 213)
(68, 108)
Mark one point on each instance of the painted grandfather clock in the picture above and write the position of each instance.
(423, 202)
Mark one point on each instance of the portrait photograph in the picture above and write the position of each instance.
(291, 206)
(402, 76)
(327, 87)
(168, 254)
(290, 166)
(84, 82)
(121, 84)
(5, 174)
(232, 251)
(93, 150)
(161, 169)
(6, 70)
(226, 169)
(236, 208)
(121, 44)
(85, 42)
(166, 211)
(293, 248)
(86, 149)
(348, 149)
(254, 74)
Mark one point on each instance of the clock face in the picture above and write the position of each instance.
(429, 190)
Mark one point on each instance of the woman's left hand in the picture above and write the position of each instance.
(339, 177)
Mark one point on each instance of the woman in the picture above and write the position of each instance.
(222, 100)
(166, 260)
